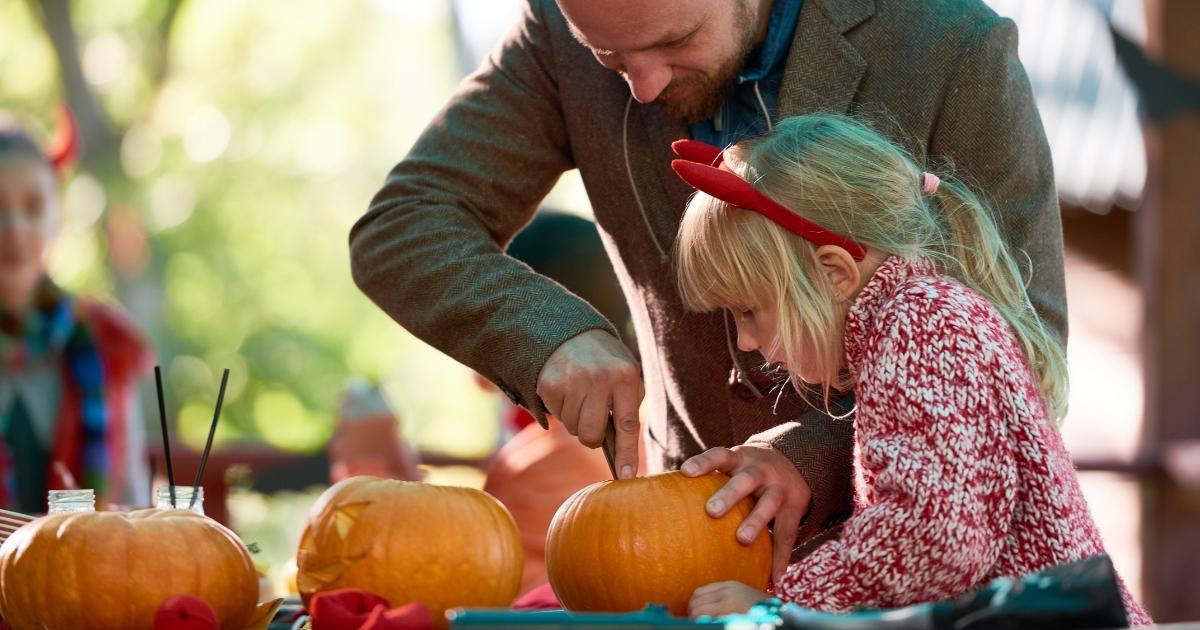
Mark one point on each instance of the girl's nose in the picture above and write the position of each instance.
(745, 340)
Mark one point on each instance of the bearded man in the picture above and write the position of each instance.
(605, 86)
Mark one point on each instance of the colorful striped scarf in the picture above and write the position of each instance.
(53, 328)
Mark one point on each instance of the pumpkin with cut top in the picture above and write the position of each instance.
(96, 570)
(618, 546)
(408, 541)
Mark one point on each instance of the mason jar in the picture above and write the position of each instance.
(78, 500)
(183, 498)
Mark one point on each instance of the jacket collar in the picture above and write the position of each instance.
(824, 69)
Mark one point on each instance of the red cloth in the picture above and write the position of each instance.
(353, 609)
(518, 418)
(538, 598)
(185, 612)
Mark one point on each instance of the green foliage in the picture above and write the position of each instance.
(245, 167)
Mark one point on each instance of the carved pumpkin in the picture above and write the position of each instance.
(617, 546)
(443, 546)
(115, 569)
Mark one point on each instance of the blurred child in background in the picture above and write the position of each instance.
(69, 365)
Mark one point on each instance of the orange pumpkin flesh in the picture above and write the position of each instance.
(617, 546)
(114, 569)
(443, 546)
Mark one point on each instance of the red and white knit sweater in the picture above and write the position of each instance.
(961, 476)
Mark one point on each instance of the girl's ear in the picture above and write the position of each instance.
(840, 270)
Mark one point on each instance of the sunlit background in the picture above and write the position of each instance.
(247, 137)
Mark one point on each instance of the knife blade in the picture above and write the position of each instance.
(610, 445)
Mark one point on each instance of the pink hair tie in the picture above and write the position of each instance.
(930, 183)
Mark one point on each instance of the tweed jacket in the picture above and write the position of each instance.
(941, 77)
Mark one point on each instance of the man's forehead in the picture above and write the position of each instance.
(631, 25)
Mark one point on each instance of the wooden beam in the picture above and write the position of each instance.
(1168, 265)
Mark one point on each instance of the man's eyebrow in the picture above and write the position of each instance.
(671, 39)
(662, 42)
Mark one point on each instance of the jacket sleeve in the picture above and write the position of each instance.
(942, 472)
(429, 250)
(990, 131)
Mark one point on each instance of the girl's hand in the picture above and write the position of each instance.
(760, 471)
(724, 598)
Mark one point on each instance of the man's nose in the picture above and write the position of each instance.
(647, 79)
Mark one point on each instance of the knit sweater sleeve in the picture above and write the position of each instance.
(939, 472)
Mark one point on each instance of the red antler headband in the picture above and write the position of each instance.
(701, 167)
(64, 148)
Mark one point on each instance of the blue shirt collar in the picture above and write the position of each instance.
(770, 55)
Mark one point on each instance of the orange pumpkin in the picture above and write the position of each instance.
(114, 569)
(407, 541)
(617, 546)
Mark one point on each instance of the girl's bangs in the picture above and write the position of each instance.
(722, 256)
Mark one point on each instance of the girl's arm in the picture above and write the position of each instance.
(944, 474)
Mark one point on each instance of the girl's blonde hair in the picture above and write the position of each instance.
(842, 175)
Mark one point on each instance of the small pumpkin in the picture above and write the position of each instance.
(115, 569)
(617, 546)
(407, 541)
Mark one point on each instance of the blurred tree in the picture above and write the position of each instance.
(229, 148)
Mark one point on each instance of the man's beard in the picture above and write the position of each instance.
(711, 91)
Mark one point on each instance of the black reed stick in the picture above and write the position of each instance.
(162, 417)
(212, 430)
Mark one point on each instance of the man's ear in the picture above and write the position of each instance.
(840, 270)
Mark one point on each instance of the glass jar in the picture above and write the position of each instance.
(78, 500)
(183, 499)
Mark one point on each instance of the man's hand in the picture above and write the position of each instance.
(724, 598)
(590, 374)
(760, 471)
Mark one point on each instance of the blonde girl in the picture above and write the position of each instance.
(854, 270)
